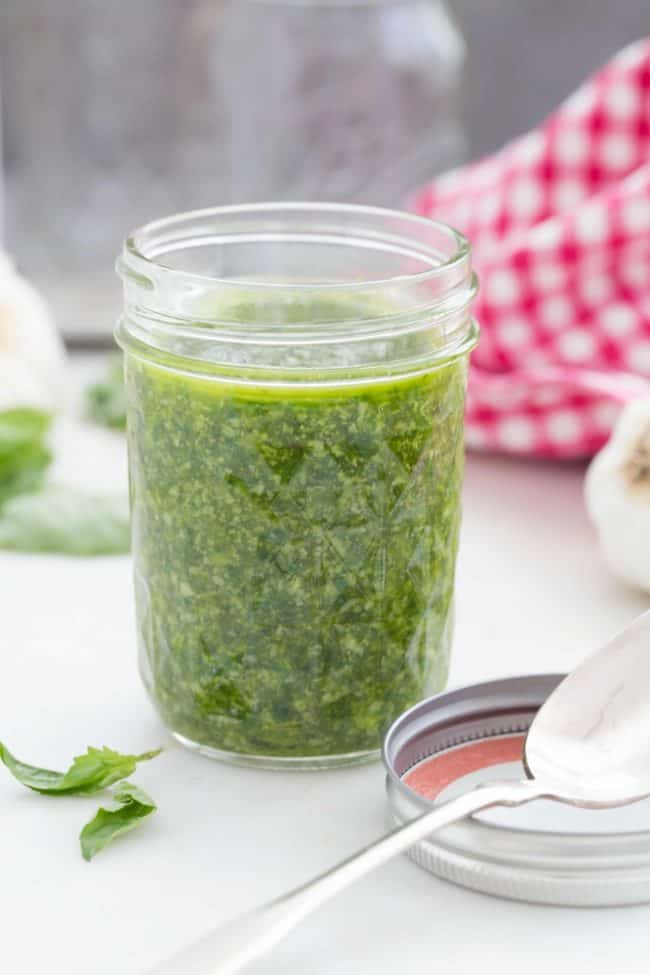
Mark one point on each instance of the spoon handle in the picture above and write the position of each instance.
(229, 948)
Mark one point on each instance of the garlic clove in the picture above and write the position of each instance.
(21, 387)
(617, 491)
(28, 336)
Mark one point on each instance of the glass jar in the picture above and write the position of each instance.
(362, 98)
(295, 380)
(203, 100)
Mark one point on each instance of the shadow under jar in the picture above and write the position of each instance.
(296, 378)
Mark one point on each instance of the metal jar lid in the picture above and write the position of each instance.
(544, 852)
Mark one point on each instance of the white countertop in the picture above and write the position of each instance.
(533, 595)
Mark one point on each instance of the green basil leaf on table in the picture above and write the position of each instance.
(133, 805)
(24, 456)
(88, 774)
(65, 521)
(106, 400)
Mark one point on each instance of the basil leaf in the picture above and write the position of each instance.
(88, 774)
(21, 426)
(106, 400)
(66, 521)
(24, 458)
(133, 805)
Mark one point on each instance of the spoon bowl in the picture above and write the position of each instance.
(590, 741)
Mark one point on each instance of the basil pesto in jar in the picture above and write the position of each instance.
(295, 381)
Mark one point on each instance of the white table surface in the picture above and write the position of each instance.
(533, 596)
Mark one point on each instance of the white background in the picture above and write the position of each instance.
(533, 596)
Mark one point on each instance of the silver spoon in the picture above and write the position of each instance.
(589, 745)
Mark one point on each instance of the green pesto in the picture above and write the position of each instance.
(295, 553)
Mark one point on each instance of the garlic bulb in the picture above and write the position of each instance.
(618, 496)
(32, 357)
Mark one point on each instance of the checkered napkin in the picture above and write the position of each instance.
(560, 224)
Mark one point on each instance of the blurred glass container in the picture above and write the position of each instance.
(112, 116)
(343, 100)
(117, 112)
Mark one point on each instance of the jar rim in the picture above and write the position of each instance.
(229, 282)
(144, 246)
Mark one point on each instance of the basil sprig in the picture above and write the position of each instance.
(95, 771)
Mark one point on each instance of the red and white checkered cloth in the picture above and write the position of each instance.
(560, 225)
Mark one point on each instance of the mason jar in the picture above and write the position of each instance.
(295, 377)
(362, 98)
